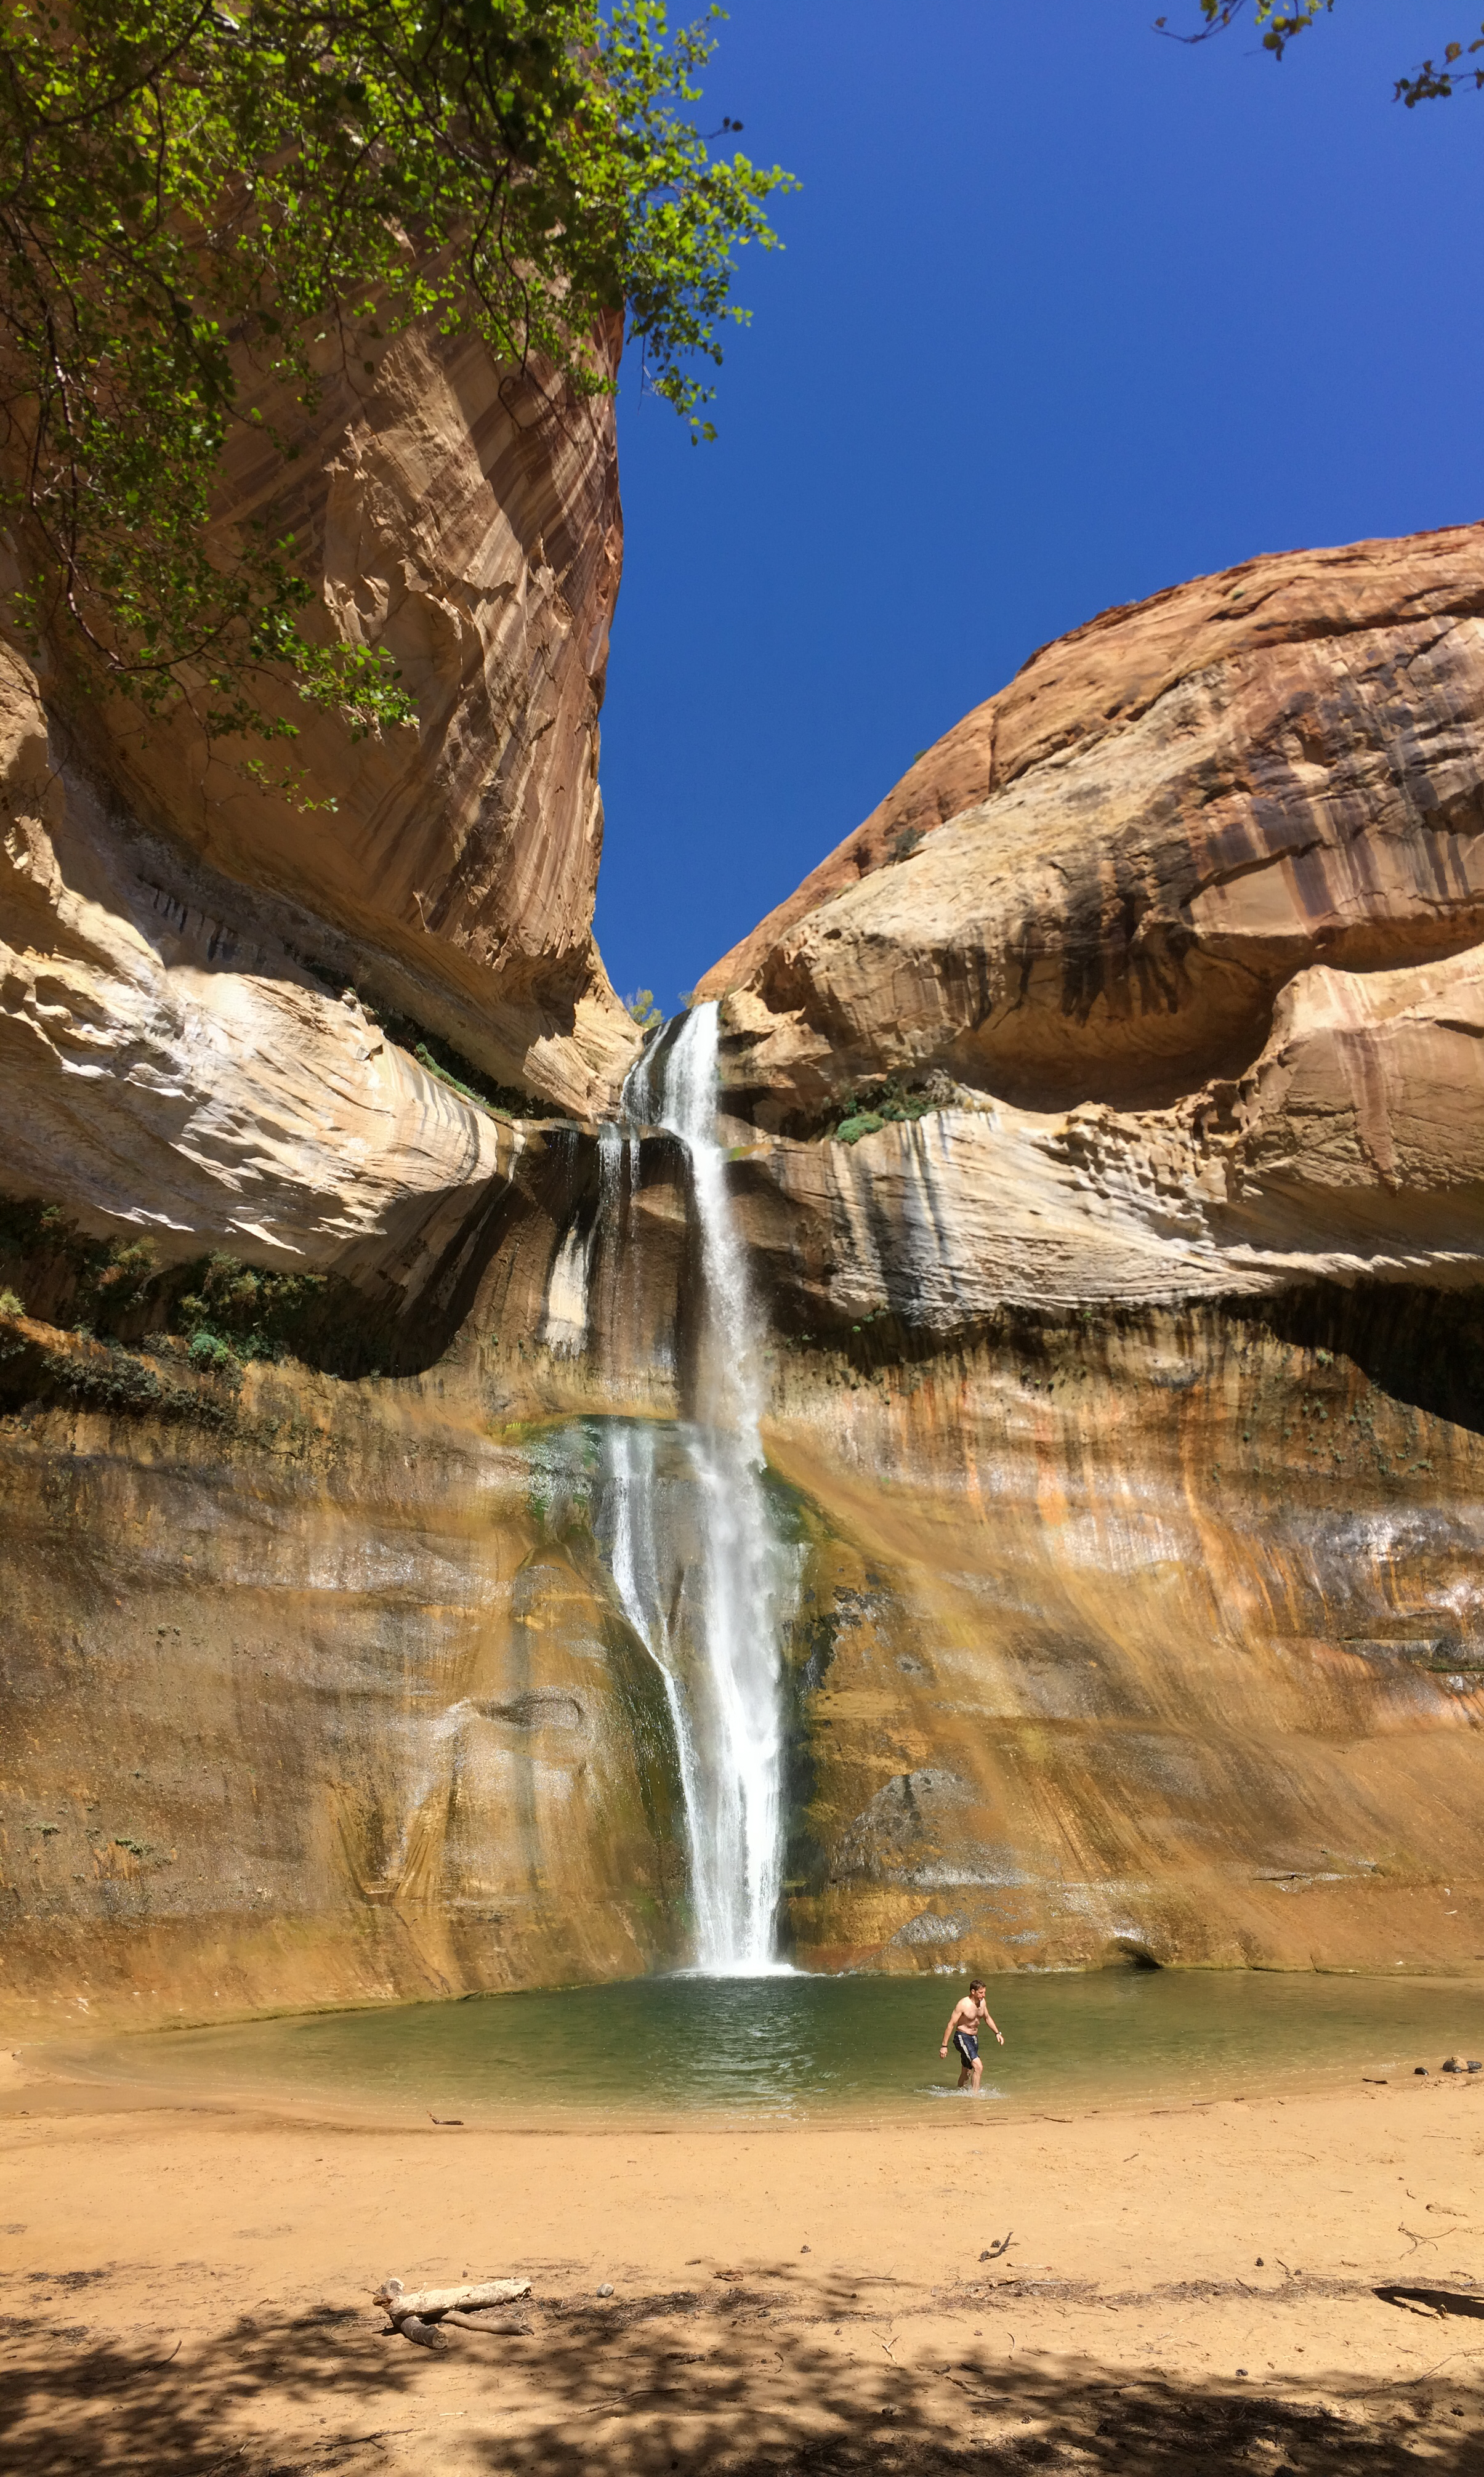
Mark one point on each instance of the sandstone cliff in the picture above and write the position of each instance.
(1108, 1155)
(190, 953)
(1162, 819)
(1135, 1330)
(1145, 1634)
(1197, 966)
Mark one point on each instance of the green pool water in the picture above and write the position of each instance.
(791, 2047)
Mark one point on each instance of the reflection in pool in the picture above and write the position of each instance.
(791, 2046)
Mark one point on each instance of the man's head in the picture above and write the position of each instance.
(976, 1986)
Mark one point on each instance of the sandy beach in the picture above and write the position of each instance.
(1273, 2284)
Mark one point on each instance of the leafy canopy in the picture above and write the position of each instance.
(1431, 80)
(205, 206)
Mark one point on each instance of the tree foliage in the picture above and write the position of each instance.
(1280, 23)
(1429, 82)
(207, 205)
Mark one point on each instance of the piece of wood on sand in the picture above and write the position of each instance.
(419, 2314)
(498, 2326)
(425, 2335)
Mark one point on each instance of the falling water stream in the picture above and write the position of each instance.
(702, 1577)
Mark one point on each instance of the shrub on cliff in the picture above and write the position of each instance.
(222, 1311)
(890, 1102)
(204, 205)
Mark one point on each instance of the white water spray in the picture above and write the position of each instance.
(702, 1579)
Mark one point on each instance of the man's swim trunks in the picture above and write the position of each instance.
(967, 2045)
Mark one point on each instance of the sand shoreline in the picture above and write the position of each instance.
(41, 2083)
(1281, 2282)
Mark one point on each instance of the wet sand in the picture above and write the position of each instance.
(1272, 2284)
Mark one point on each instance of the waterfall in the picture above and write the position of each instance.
(702, 1579)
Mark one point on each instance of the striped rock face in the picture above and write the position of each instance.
(1135, 1369)
(1095, 888)
(194, 964)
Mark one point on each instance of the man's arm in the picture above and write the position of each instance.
(949, 2032)
(994, 2025)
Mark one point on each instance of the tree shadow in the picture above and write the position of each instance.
(748, 2386)
(72, 2398)
(1441, 2300)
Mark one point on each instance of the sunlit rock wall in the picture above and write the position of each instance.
(1139, 1383)
(188, 953)
(1139, 1632)
(308, 1704)
(1128, 1627)
(300, 1703)
(465, 519)
(1127, 1401)
(1164, 818)
(1157, 1634)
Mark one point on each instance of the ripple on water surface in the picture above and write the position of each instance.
(791, 2046)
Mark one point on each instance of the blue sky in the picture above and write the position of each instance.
(1066, 314)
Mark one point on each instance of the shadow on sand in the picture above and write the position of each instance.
(658, 2385)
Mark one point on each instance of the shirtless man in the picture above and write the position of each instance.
(963, 2029)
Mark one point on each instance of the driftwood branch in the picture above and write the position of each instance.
(401, 2301)
(505, 2326)
(427, 2335)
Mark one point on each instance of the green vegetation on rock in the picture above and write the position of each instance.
(220, 1313)
(207, 210)
(892, 1102)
